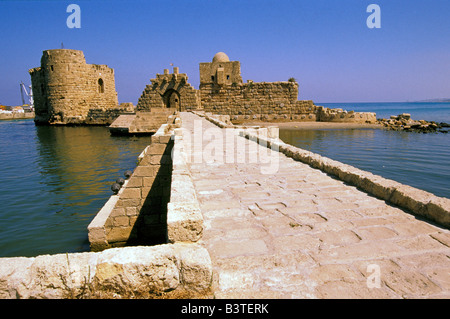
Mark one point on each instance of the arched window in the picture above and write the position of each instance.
(101, 86)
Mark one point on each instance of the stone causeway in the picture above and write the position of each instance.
(248, 216)
(301, 233)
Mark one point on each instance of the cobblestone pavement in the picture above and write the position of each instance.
(299, 233)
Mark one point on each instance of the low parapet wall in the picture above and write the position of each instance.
(137, 214)
(175, 268)
(157, 203)
(223, 121)
(416, 201)
(184, 217)
(129, 272)
(320, 114)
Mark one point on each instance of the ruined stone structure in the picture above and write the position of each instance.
(223, 92)
(170, 91)
(69, 91)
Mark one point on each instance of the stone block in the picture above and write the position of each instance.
(122, 272)
(121, 221)
(182, 189)
(131, 193)
(438, 209)
(131, 211)
(160, 159)
(378, 186)
(145, 171)
(117, 211)
(118, 234)
(157, 149)
(184, 222)
(165, 139)
(97, 239)
(134, 181)
(129, 202)
(148, 181)
(411, 198)
(196, 267)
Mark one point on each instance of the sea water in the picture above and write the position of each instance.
(54, 180)
(416, 159)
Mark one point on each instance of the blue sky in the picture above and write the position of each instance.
(324, 44)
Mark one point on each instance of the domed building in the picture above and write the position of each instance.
(221, 71)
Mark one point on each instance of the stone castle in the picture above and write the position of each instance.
(69, 91)
(66, 90)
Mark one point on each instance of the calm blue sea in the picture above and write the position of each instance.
(54, 180)
(416, 159)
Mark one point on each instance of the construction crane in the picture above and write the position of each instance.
(23, 91)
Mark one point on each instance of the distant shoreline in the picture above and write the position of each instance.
(316, 125)
(16, 116)
(433, 101)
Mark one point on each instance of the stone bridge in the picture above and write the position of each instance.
(244, 215)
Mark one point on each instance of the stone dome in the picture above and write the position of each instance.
(221, 57)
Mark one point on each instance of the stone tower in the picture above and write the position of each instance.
(66, 89)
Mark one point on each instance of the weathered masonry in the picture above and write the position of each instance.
(67, 90)
(313, 236)
(169, 91)
(157, 204)
(137, 214)
(143, 241)
(222, 91)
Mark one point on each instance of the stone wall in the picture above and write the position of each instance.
(250, 98)
(157, 203)
(169, 91)
(271, 102)
(339, 115)
(175, 268)
(69, 91)
(184, 217)
(106, 116)
(129, 272)
(66, 89)
(138, 213)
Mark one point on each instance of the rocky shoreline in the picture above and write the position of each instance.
(403, 122)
